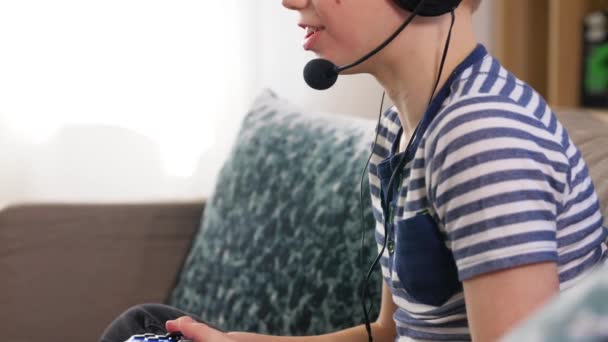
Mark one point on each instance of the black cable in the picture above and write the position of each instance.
(397, 170)
(380, 47)
(361, 254)
(363, 230)
(441, 66)
(386, 42)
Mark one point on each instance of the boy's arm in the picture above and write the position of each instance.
(383, 329)
(499, 300)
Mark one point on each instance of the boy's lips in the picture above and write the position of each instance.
(312, 34)
(306, 26)
(311, 39)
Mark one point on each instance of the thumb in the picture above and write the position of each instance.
(200, 332)
(173, 325)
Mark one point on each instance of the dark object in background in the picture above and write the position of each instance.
(594, 88)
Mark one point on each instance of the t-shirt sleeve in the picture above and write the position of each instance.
(497, 178)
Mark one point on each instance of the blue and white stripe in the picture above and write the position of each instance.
(505, 183)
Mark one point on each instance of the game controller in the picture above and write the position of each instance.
(169, 337)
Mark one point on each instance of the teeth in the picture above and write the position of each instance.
(310, 29)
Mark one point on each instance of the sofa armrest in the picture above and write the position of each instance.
(81, 265)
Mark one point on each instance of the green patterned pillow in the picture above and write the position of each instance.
(278, 248)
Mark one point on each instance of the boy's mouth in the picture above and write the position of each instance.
(312, 35)
(310, 30)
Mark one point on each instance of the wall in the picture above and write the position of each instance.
(482, 22)
(98, 106)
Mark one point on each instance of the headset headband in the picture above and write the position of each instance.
(430, 8)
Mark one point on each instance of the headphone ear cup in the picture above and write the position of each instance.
(430, 8)
(407, 5)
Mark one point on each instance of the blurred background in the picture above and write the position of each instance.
(133, 100)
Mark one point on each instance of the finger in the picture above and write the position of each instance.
(173, 325)
(201, 333)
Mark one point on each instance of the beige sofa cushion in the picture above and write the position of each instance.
(69, 269)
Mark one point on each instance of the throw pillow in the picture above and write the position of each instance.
(279, 243)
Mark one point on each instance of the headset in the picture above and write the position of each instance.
(322, 74)
(430, 8)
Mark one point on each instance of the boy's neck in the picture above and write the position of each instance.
(409, 82)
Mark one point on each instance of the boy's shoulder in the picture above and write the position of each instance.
(488, 81)
(489, 105)
(486, 93)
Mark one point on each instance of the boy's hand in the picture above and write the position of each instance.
(195, 331)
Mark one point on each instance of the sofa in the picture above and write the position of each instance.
(276, 248)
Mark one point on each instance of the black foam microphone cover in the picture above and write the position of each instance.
(320, 74)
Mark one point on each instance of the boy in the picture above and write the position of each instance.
(484, 208)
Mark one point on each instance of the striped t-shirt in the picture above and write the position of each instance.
(494, 182)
